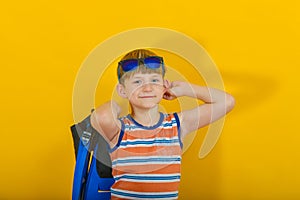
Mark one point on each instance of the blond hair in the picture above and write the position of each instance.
(137, 54)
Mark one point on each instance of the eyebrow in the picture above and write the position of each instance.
(152, 76)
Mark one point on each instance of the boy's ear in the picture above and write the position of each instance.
(121, 90)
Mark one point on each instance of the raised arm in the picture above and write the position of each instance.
(217, 103)
(105, 120)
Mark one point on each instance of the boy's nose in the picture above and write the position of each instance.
(147, 87)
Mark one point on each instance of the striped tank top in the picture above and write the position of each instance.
(146, 160)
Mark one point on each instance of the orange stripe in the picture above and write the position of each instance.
(116, 198)
(147, 169)
(147, 187)
(149, 134)
(146, 151)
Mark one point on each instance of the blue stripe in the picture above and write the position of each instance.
(164, 124)
(120, 137)
(161, 119)
(124, 143)
(132, 126)
(167, 124)
(141, 160)
(144, 195)
(154, 178)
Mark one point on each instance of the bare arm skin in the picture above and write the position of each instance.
(105, 120)
(217, 103)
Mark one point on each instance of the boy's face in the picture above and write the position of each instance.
(144, 90)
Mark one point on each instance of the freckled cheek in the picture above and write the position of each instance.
(160, 89)
(159, 94)
(133, 94)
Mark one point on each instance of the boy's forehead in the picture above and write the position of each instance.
(145, 75)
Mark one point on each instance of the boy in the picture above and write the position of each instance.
(145, 145)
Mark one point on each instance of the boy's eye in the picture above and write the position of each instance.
(137, 81)
(155, 80)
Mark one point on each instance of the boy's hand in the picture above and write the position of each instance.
(173, 89)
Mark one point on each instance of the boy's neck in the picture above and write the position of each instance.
(148, 117)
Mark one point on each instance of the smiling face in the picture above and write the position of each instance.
(143, 90)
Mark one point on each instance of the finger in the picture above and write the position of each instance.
(166, 83)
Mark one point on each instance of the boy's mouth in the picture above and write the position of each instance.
(147, 96)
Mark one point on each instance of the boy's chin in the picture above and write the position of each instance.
(149, 105)
(146, 105)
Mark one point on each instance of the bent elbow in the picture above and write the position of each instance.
(230, 103)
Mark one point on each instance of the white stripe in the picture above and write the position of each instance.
(137, 128)
(150, 175)
(145, 193)
(126, 197)
(147, 163)
(147, 157)
(149, 181)
(171, 124)
(151, 139)
(149, 145)
(156, 142)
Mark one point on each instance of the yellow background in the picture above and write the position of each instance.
(254, 43)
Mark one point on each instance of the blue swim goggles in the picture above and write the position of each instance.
(152, 62)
